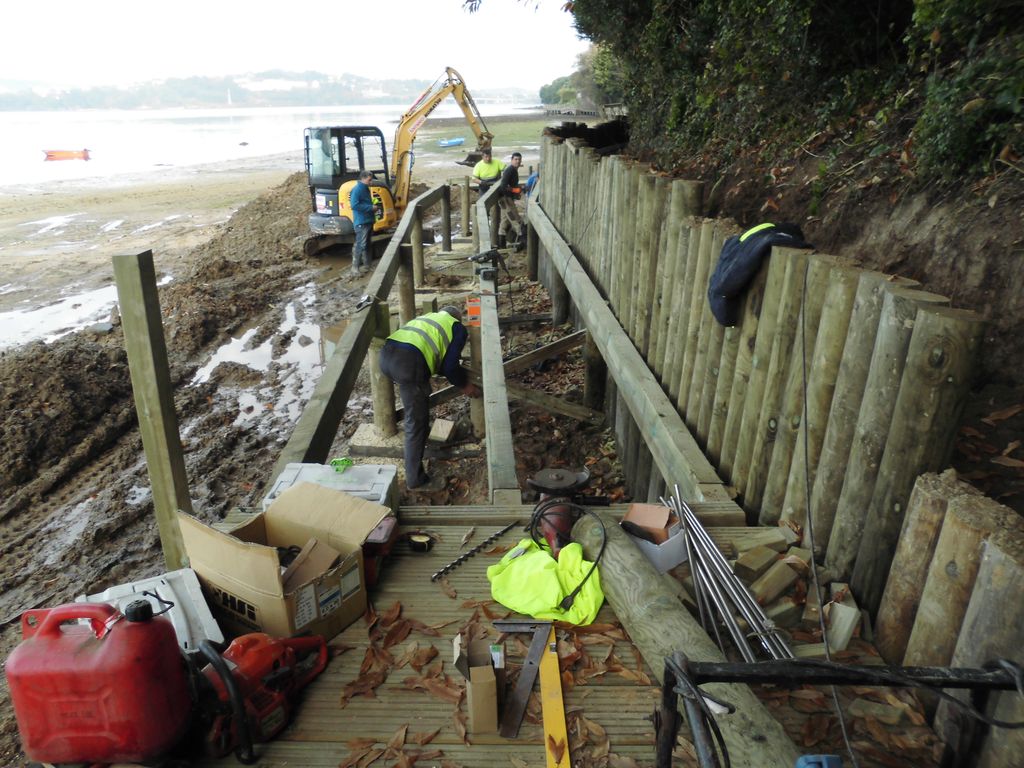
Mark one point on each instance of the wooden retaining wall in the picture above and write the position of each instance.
(837, 388)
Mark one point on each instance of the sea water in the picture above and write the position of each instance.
(134, 141)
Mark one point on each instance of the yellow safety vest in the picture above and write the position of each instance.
(488, 171)
(430, 334)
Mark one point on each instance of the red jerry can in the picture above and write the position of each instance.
(114, 689)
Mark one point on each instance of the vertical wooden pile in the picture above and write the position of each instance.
(833, 392)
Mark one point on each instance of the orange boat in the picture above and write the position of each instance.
(66, 154)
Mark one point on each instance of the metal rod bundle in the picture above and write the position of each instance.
(717, 586)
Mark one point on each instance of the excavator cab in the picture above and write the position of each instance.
(334, 157)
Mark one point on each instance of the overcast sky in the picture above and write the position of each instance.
(107, 42)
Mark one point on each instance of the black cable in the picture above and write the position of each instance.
(167, 603)
(540, 512)
(686, 687)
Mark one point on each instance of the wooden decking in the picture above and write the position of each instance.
(323, 730)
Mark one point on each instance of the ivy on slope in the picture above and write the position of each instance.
(712, 77)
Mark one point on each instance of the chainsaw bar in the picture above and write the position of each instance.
(466, 555)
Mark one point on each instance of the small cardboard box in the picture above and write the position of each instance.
(662, 524)
(242, 576)
(476, 663)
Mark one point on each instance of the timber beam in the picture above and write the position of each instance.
(675, 451)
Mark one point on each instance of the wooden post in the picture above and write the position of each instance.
(475, 227)
(467, 215)
(881, 386)
(926, 511)
(713, 355)
(762, 440)
(755, 352)
(970, 521)
(818, 277)
(595, 375)
(627, 245)
(668, 264)
(494, 219)
(560, 302)
(648, 283)
(532, 252)
(845, 407)
(382, 389)
(476, 404)
(416, 238)
(658, 624)
(822, 373)
(446, 219)
(679, 341)
(992, 628)
(154, 399)
(737, 344)
(406, 287)
(698, 327)
(936, 380)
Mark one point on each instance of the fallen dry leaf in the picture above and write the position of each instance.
(467, 536)
(459, 721)
(1003, 414)
(426, 737)
(353, 758)
(556, 748)
(447, 588)
(422, 657)
(1007, 461)
(396, 633)
(1011, 447)
(360, 743)
(391, 614)
(397, 741)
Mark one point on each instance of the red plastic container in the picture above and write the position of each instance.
(113, 690)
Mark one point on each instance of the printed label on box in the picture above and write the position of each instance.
(305, 606)
(350, 582)
(238, 609)
(330, 599)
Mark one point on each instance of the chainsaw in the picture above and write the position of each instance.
(255, 686)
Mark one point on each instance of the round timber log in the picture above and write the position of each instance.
(881, 386)
(925, 512)
(659, 625)
(936, 379)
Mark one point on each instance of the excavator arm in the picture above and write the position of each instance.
(450, 83)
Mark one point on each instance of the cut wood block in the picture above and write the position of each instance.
(441, 431)
(754, 562)
(733, 541)
(803, 554)
(843, 617)
(809, 651)
(791, 536)
(812, 608)
(773, 583)
(885, 713)
(785, 612)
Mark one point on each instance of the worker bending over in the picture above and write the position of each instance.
(487, 171)
(426, 346)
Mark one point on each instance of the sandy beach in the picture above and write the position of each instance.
(57, 239)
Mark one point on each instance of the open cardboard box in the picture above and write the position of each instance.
(242, 576)
(483, 667)
(663, 526)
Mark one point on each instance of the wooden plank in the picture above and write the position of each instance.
(154, 398)
(554, 404)
(679, 458)
(501, 458)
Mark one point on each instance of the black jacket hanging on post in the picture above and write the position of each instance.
(739, 262)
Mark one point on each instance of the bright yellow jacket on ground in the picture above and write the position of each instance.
(528, 580)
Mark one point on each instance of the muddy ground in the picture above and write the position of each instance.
(75, 512)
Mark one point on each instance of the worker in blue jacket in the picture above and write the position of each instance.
(426, 346)
(363, 219)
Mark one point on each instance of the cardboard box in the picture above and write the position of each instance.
(661, 524)
(242, 575)
(476, 663)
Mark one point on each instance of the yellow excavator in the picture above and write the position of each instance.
(335, 155)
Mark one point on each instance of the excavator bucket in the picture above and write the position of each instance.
(471, 159)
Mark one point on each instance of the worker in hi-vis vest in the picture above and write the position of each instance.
(426, 346)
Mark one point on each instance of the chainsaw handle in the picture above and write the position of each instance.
(45, 622)
(304, 646)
